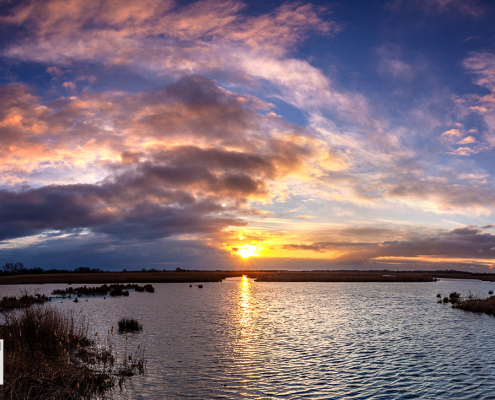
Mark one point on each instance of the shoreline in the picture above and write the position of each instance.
(218, 276)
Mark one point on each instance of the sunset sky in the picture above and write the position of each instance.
(263, 134)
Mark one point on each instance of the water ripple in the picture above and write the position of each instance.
(242, 339)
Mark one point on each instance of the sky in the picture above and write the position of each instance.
(247, 135)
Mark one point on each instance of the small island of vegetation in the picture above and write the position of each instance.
(473, 304)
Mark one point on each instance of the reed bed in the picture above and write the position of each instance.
(26, 300)
(129, 325)
(218, 276)
(342, 276)
(113, 290)
(473, 304)
(48, 355)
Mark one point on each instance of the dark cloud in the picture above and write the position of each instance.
(326, 246)
(141, 206)
(110, 253)
(460, 243)
(465, 231)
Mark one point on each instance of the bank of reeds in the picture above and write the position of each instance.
(113, 290)
(26, 300)
(118, 292)
(218, 276)
(48, 355)
(473, 304)
(341, 276)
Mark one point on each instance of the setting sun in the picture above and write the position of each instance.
(248, 250)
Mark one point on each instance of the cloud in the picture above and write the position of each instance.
(482, 66)
(463, 151)
(448, 246)
(457, 8)
(467, 140)
(143, 32)
(69, 85)
(55, 71)
(451, 133)
(194, 116)
(126, 207)
(391, 65)
(152, 128)
(189, 158)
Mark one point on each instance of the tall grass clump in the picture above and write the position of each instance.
(48, 355)
(26, 300)
(118, 292)
(454, 297)
(473, 304)
(129, 325)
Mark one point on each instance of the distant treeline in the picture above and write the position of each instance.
(19, 269)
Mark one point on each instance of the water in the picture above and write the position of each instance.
(262, 340)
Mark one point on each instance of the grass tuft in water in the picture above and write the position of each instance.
(129, 325)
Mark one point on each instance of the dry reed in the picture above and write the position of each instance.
(48, 356)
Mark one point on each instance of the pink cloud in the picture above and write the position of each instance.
(463, 151)
(118, 31)
(482, 65)
(69, 85)
(467, 140)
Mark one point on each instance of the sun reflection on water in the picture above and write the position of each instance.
(245, 345)
(244, 303)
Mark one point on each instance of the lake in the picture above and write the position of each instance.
(263, 340)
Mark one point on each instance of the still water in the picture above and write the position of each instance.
(241, 339)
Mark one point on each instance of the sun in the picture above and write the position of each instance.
(247, 250)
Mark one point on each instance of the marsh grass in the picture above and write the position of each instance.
(48, 355)
(474, 304)
(129, 325)
(454, 297)
(114, 290)
(24, 301)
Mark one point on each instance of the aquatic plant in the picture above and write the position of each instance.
(149, 288)
(51, 357)
(118, 292)
(474, 304)
(26, 300)
(454, 297)
(116, 289)
(129, 325)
